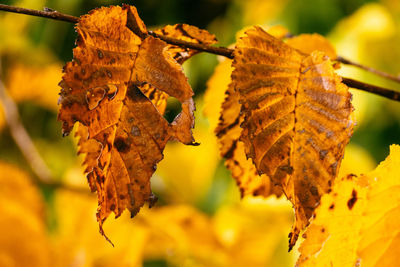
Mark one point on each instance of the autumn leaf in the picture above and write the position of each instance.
(44, 78)
(308, 43)
(358, 222)
(228, 129)
(23, 241)
(296, 118)
(186, 33)
(116, 88)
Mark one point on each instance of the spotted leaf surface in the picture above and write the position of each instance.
(357, 223)
(116, 88)
(296, 118)
(186, 33)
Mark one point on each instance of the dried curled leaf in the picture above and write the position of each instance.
(232, 149)
(296, 118)
(227, 128)
(186, 33)
(116, 88)
(359, 221)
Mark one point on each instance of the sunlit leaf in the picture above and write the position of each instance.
(358, 221)
(296, 118)
(116, 87)
(23, 240)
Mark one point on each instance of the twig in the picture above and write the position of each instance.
(223, 51)
(46, 14)
(393, 95)
(28, 149)
(372, 70)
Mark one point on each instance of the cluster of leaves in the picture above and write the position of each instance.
(117, 87)
(285, 109)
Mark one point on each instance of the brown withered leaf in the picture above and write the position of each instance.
(116, 88)
(186, 33)
(220, 98)
(296, 118)
(232, 149)
(228, 129)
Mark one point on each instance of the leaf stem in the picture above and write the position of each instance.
(223, 51)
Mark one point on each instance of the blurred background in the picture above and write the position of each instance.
(199, 219)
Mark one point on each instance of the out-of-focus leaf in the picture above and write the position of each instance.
(254, 232)
(356, 161)
(35, 84)
(215, 93)
(308, 43)
(358, 221)
(186, 172)
(76, 242)
(23, 239)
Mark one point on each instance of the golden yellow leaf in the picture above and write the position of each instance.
(77, 243)
(196, 165)
(40, 88)
(2, 117)
(358, 221)
(23, 240)
(215, 93)
(308, 43)
(296, 118)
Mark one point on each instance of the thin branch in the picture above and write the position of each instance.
(28, 149)
(369, 69)
(393, 95)
(48, 13)
(223, 51)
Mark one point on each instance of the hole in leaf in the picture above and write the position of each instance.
(173, 109)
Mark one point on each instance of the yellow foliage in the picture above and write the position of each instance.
(358, 222)
(41, 87)
(186, 172)
(249, 233)
(356, 161)
(215, 93)
(77, 241)
(23, 240)
(2, 118)
(253, 231)
(308, 43)
(260, 11)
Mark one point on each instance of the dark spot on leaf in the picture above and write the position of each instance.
(352, 200)
(100, 54)
(121, 145)
(112, 207)
(314, 191)
(322, 154)
(134, 93)
(331, 207)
